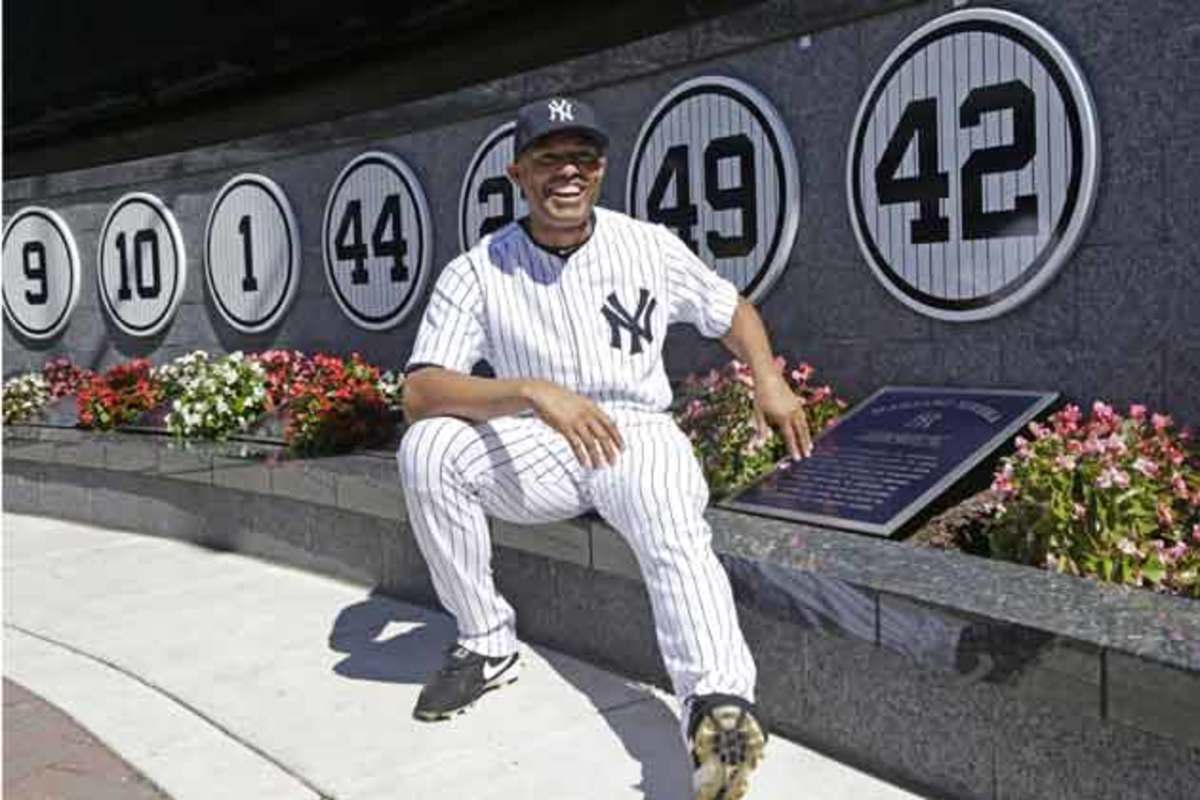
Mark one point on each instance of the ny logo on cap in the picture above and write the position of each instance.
(561, 111)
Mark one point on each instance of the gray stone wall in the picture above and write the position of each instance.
(1117, 322)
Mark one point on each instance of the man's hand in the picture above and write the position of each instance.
(593, 436)
(778, 405)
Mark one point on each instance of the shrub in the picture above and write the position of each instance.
(337, 406)
(1113, 497)
(716, 412)
(212, 399)
(24, 397)
(118, 396)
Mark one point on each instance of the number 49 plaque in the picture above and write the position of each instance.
(972, 165)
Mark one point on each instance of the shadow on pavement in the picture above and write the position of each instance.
(647, 728)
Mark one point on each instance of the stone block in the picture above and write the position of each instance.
(1154, 698)
(130, 453)
(27, 445)
(265, 526)
(365, 496)
(118, 500)
(1041, 752)
(247, 475)
(611, 553)
(303, 480)
(406, 575)
(177, 510)
(66, 494)
(185, 463)
(86, 452)
(804, 598)
(349, 546)
(1036, 666)
(860, 699)
(22, 488)
(561, 541)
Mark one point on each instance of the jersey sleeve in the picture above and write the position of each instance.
(698, 294)
(452, 333)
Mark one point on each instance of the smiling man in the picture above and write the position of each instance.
(570, 306)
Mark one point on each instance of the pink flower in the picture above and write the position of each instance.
(821, 394)
(1196, 532)
(1179, 486)
(1146, 467)
(803, 372)
(1127, 547)
(1174, 553)
(1161, 422)
(1067, 420)
(1066, 463)
(1111, 477)
(1137, 412)
(1116, 445)
(1103, 413)
(1002, 482)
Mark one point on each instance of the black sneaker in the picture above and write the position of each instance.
(461, 681)
(726, 741)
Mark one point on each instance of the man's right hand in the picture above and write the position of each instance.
(592, 434)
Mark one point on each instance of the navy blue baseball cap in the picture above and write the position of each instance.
(557, 115)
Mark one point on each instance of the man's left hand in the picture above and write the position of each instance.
(776, 404)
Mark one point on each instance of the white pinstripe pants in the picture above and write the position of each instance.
(454, 473)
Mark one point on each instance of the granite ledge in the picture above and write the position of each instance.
(1138, 623)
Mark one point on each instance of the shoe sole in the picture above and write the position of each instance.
(727, 747)
(499, 682)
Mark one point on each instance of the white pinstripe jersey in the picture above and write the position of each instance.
(593, 322)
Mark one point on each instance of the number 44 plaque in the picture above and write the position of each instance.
(894, 456)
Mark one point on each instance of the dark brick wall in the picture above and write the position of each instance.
(1117, 323)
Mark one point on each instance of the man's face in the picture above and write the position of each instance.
(561, 176)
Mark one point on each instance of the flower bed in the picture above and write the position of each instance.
(213, 398)
(734, 448)
(118, 396)
(1112, 497)
(327, 404)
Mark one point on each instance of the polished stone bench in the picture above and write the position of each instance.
(952, 675)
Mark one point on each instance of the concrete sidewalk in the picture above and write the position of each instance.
(219, 676)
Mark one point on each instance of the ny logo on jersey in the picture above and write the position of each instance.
(561, 110)
(637, 323)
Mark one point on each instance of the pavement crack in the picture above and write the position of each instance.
(320, 793)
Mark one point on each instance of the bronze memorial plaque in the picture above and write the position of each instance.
(893, 455)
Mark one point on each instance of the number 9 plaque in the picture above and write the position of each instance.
(714, 163)
(973, 165)
(41, 273)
